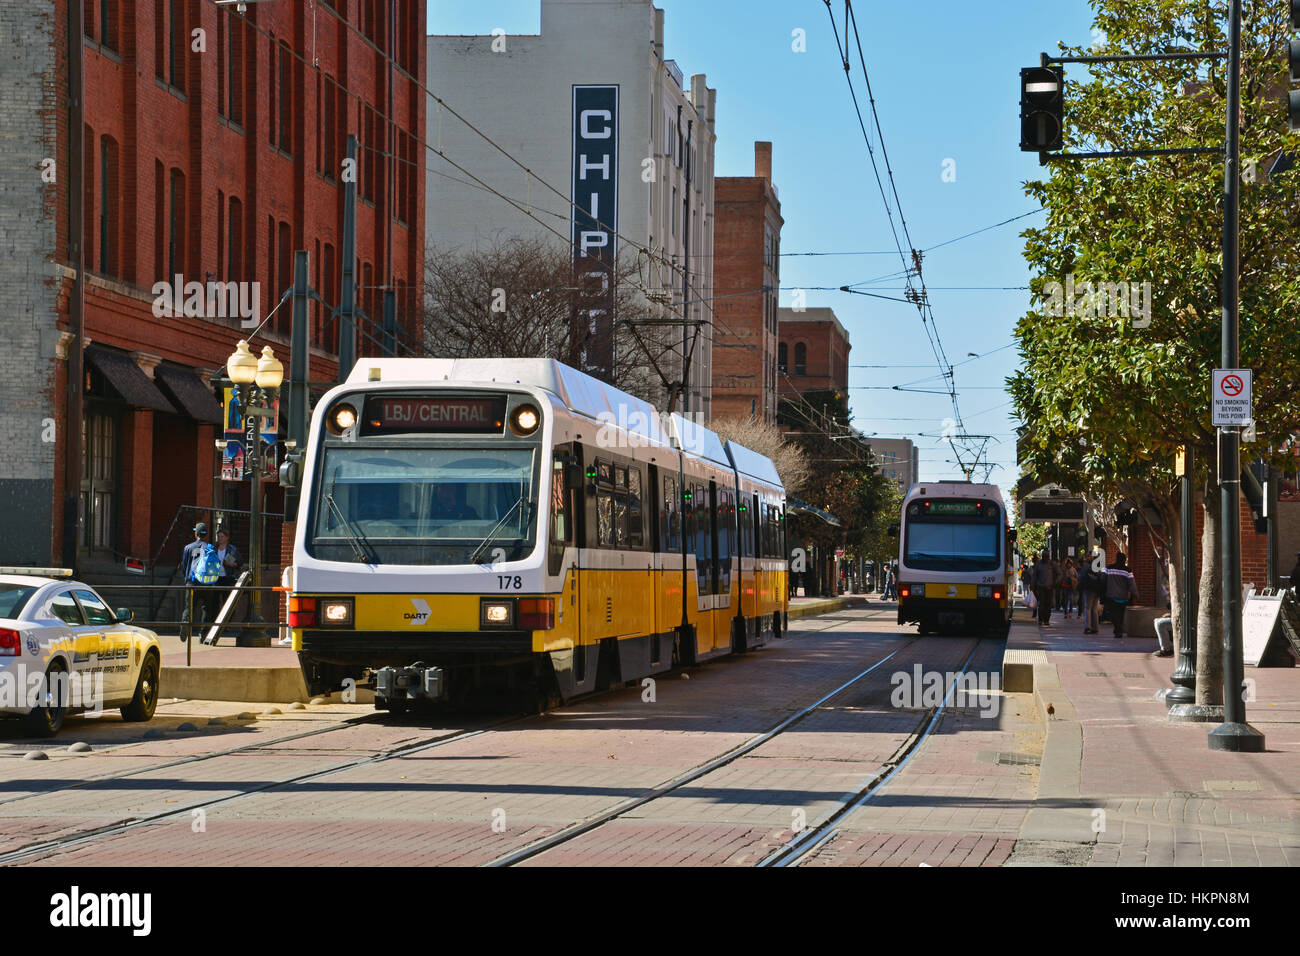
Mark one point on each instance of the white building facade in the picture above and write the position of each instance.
(612, 132)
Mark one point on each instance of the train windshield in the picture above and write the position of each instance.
(944, 536)
(424, 505)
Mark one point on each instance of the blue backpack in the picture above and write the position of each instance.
(207, 566)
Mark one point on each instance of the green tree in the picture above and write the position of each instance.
(1108, 399)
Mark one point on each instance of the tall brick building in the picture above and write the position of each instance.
(746, 279)
(208, 145)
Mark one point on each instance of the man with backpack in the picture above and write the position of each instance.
(1121, 590)
(200, 569)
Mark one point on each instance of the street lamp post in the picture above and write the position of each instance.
(256, 382)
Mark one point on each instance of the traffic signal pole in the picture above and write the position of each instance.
(1234, 733)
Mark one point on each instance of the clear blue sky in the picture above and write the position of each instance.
(945, 74)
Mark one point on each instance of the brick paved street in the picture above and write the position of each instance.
(977, 791)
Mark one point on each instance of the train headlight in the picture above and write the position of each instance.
(497, 614)
(524, 420)
(341, 418)
(335, 612)
(985, 591)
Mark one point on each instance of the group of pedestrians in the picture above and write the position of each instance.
(209, 572)
(1078, 589)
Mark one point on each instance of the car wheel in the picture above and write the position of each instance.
(48, 720)
(146, 691)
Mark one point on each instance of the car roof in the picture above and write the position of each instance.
(28, 580)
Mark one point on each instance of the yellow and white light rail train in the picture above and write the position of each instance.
(482, 525)
(955, 560)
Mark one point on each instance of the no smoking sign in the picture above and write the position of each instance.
(1230, 397)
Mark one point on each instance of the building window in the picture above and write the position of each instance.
(800, 359)
(159, 216)
(782, 357)
(176, 37)
(285, 246)
(235, 238)
(108, 24)
(176, 225)
(88, 196)
(285, 90)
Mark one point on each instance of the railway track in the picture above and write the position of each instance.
(807, 842)
(82, 837)
(580, 828)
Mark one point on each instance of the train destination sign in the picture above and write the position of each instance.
(437, 414)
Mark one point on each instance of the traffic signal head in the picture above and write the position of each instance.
(1042, 108)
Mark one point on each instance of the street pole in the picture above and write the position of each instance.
(253, 464)
(686, 267)
(1270, 516)
(1184, 677)
(1234, 733)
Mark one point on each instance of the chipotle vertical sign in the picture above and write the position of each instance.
(595, 227)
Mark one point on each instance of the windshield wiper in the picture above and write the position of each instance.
(473, 558)
(347, 529)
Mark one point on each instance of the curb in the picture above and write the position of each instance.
(1061, 769)
(272, 685)
(827, 606)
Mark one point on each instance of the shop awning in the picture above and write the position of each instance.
(126, 378)
(189, 393)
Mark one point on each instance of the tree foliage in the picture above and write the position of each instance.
(1107, 400)
(516, 298)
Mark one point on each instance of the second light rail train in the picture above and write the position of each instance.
(955, 559)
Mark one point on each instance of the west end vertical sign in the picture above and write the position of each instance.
(595, 224)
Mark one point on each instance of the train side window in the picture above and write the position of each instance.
(561, 515)
(703, 532)
(755, 524)
(635, 525)
(604, 519)
(671, 523)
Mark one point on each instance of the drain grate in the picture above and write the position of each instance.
(1018, 760)
(1128, 674)
(1095, 674)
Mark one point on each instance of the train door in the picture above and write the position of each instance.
(725, 550)
(705, 571)
(563, 551)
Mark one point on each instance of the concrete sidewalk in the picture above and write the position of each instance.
(1119, 779)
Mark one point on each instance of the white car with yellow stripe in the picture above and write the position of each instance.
(62, 650)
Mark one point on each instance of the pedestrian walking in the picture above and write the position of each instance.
(1121, 590)
(200, 569)
(1043, 578)
(1069, 584)
(1092, 584)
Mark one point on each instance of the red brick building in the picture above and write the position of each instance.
(746, 277)
(212, 147)
(812, 352)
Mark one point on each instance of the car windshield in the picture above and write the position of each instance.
(951, 546)
(423, 505)
(13, 598)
